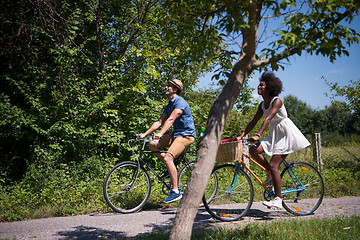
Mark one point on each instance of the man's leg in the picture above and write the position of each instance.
(154, 146)
(168, 157)
(176, 148)
(164, 142)
(169, 163)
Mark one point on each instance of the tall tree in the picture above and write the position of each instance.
(351, 93)
(300, 113)
(75, 75)
(311, 26)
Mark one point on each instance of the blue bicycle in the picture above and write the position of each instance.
(302, 184)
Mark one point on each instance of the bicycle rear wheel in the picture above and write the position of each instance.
(185, 174)
(304, 176)
(126, 187)
(234, 196)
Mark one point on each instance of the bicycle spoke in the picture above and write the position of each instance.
(234, 197)
(122, 192)
(305, 197)
(184, 177)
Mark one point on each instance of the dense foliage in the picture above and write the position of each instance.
(332, 122)
(81, 77)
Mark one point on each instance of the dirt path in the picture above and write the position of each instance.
(117, 226)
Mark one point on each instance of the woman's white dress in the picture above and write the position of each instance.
(284, 137)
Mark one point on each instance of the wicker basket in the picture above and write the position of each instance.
(229, 151)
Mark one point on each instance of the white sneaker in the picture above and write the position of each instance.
(276, 203)
(268, 180)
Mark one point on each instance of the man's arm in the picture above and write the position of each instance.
(168, 123)
(155, 125)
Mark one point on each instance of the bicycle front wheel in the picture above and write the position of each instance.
(185, 174)
(303, 188)
(126, 187)
(234, 196)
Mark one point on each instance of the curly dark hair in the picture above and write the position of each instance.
(273, 83)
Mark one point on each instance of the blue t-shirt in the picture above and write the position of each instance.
(184, 124)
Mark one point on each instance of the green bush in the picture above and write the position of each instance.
(21, 203)
(341, 182)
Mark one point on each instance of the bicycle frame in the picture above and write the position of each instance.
(140, 159)
(142, 162)
(271, 192)
(295, 180)
(252, 173)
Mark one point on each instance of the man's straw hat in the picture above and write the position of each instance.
(177, 83)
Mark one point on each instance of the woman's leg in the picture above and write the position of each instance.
(275, 162)
(256, 151)
(273, 167)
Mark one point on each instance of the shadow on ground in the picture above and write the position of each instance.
(90, 233)
(202, 220)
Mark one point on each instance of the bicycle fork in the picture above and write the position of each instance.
(234, 180)
(135, 175)
(299, 187)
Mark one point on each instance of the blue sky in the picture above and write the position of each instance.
(303, 76)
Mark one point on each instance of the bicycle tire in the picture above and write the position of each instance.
(231, 206)
(307, 201)
(185, 174)
(123, 194)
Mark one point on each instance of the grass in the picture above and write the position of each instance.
(332, 228)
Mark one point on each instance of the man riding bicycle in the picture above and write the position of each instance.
(177, 114)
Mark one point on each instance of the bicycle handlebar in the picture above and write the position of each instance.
(245, 139)
(132, 145)
(137, 136)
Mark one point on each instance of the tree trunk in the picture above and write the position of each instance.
(189, 204)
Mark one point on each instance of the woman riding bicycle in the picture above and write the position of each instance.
(284, 137)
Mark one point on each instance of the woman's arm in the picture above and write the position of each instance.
(276, 105)
(253, 122)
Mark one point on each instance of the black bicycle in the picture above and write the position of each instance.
(127, 186)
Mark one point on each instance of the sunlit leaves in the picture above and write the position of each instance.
(316, 27)
(351, 92)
